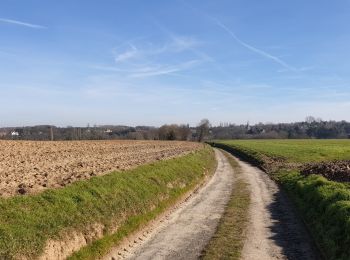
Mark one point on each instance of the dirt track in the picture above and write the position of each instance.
(274, 229)
(32, 166)
(184, 234)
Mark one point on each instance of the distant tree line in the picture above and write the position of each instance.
(108, 132)
(310, 128)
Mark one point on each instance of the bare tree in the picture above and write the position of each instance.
(203, 129)
(51, 133)
(310, 119)
(169, 132)
(184, 132)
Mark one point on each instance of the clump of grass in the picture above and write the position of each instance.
(325, 207)
(228, 241)
(133, 197)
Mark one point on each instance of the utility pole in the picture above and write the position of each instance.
(51, 133)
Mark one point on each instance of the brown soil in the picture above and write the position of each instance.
(72, 242)
(334, 171)
(28, 167)
(274, 164)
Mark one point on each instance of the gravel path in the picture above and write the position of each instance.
(275, 231)
(185, 233)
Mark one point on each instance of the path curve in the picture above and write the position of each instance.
(274, 229)
(185, 233)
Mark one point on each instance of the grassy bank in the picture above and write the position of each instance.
(131, 198)
(227, 243)
(324, 205)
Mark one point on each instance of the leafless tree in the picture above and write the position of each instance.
(203, 129)
(184, 132)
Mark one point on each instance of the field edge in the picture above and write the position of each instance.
(101, 247)
(323, 205)
(120, 201)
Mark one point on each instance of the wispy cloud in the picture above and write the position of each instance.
(140, 59)
(182, 43)
(30, 25)
(127, 55)
(191, 44)
(148, 72)
(130, 50)
(252, 48)
(238, 40)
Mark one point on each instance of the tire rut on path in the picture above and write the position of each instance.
(185, 233)
(274, 231)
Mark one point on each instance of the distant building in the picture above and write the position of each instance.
(14, 134)
(17, 133)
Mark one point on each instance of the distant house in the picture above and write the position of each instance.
(14, 134)
(17, 133)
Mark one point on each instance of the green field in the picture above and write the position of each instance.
(298, 151)
(324, 205)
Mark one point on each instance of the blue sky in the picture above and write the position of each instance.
(154, 62)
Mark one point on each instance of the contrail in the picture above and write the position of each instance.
(35, 26)
(252, 48)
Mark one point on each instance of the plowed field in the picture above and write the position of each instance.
(28, 167)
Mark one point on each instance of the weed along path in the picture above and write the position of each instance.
(186, 231)
(274, 230)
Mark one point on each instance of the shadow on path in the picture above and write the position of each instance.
(288, 230)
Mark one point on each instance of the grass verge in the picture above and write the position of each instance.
(324, 205)
(325, 208)
(228, 241)
(131, 198)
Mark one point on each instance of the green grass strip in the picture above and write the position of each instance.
(132, 197)
(325, 207)
(293, 150)
(228, 241)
